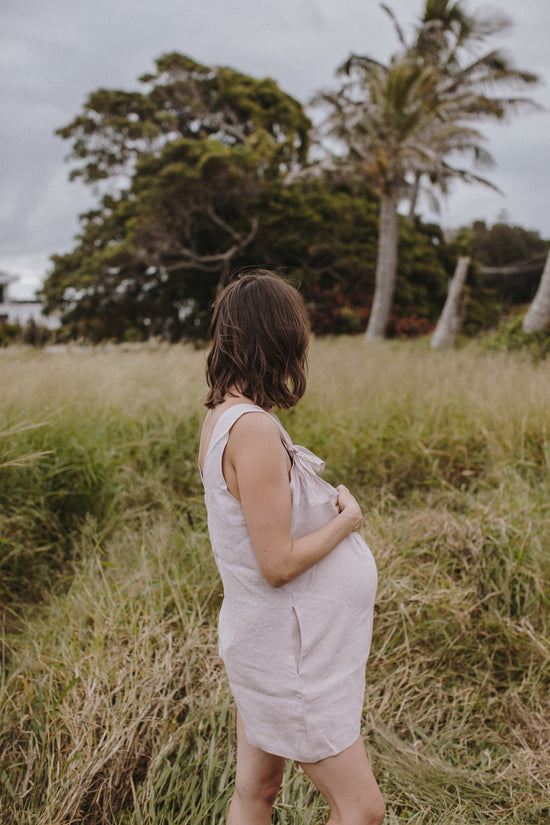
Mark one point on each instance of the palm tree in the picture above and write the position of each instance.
(400, 123)
(449, 38)
(394, 125)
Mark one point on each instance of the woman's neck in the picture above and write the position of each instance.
(235, 396)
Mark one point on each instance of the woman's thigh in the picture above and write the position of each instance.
(348, 784)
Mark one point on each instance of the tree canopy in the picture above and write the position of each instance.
(184, 99)
(182, 164)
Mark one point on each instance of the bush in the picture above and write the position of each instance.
(9, 333)
(408, 326)
(510, 337)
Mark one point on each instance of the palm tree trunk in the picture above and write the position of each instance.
(414, 196)
(538, 314)
(386, 268)
(452, 316)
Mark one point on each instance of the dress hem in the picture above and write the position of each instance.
(308, 758)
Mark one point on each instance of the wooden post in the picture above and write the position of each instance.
(538, 314)
(452, 316)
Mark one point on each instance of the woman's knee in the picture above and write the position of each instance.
(373, 810)
(377, 811)
(264, 789)
(367, 810)
(270, 787)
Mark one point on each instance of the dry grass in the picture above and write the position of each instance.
(114, 678)
(113, 703)
(135, 379)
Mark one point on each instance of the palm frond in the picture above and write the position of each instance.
(358, 62)
(396, 25)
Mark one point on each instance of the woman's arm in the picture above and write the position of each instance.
(256, 471)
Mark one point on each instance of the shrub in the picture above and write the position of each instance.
(510, 337)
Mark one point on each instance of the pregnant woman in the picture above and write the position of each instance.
(299, 582)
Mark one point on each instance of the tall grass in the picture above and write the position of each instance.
(114, 706)
(92, 435)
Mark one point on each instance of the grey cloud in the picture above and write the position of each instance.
(52, 54)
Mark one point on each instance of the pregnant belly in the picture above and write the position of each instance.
(346, 580)
(349, 573)
(334, 605)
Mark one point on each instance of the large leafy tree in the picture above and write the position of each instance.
(184, 99)
(402, 122)
(180, 165)
(151, 258)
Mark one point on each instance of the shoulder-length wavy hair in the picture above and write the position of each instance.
(260, 335)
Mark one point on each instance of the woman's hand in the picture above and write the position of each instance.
(348, 506)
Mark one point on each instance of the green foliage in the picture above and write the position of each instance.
(31, 333)
(185, 100)
(194, 149)
(9, 333)
(151, 259)
(510, 337)
(507, 247)
(320, 230)
(503, 244)
(324, 233)
(421, 285)
(36, 335)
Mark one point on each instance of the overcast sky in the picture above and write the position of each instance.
(54, 52)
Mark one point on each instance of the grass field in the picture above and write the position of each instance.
(113, 705)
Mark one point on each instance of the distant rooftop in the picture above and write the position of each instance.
(7, 279)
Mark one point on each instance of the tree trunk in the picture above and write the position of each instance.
(452, 317)
(414, 196)
(538, 314)
(386, 267)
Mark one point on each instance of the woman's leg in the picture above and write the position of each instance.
(347, 783)
(259, 776)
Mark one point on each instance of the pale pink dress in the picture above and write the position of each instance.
(295, 656)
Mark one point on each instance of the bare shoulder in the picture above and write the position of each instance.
(255, 427)
(255, 453)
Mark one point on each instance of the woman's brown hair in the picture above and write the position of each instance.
(260, 335)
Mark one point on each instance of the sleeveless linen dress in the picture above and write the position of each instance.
(295, 655)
